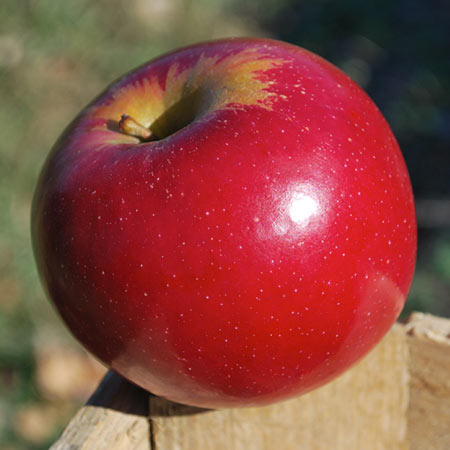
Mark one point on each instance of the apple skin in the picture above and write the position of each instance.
(261, 246)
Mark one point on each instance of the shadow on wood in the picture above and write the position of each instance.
(116, 393)
(160, 407)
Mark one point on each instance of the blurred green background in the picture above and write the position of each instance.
(55, 56)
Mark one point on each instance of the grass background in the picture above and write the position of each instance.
(55, 56)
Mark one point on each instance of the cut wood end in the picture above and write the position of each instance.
(436, 329)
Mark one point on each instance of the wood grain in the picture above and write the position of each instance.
(396, 398)
(115, 417)
(429, 406)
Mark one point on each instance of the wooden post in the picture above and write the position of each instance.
(398, 397)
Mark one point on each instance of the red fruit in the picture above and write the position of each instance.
(257, 244)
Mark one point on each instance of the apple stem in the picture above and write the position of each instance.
(133, 128)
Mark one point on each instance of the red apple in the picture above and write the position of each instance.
(230, 224)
